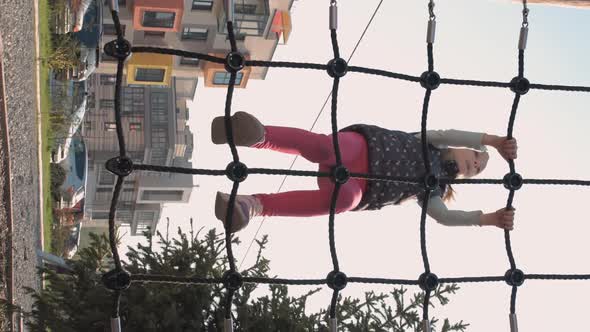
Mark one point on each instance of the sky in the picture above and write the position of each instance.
(474, 40)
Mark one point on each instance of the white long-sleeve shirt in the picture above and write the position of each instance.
(444, 139)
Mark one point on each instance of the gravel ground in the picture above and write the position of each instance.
(17, 29)
(5, 265)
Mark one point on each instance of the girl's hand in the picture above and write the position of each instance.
(506, 147)
(502, 218)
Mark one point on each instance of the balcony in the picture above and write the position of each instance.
(250, 18)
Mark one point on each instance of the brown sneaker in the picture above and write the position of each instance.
(246, 207)
(247, 129)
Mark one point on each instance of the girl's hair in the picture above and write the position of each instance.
(453, 171)
(449, 194)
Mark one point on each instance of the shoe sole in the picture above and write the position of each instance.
(221, 203)
(241, 137)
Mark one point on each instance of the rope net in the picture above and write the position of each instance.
(118, 279)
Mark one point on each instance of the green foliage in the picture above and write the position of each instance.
(78, 301)
(58, 176)
(64, 53)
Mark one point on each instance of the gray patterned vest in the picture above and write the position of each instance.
(395, 153)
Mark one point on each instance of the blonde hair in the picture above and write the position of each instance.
(449, 194)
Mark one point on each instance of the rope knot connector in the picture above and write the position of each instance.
(340, 174)
(337, 67)
(234, 62)
(514, 277)
(337, 280)
(512, 181)
(430, 182)
(121, 166)
(430, 80)
(232, 280)
(118, 48)
(116, 280)
(236, 171)
(520, 85)
(428, 281)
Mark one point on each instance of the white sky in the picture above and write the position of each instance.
(475, 40)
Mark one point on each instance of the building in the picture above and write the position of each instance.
(155, 131)
(155, 90)
(197, 26)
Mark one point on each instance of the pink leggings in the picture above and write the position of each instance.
(317, 148)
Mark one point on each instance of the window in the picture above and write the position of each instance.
(104, 195)
(243, 8)
(121, 2)
(154, 34)
(150, 74)
(106, 178)
(123, 216)
(110, 126)
(159, 103)
(87, 125)
(135, 126)
(106, 104)
(161, 195)
(100, 215)
(159, 141)
(109, 29)
(189, 62)
(145, 216)
(222, 78)
(143, 227)
(202, 4)
(134, 100)
(194, 33)
(158, 19)
(108, 79)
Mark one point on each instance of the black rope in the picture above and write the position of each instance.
(334, 40)
(112, 235)
(331, 227)
(118, 123)
(185, 54)
(333, 304)
(191, 280)
(370, 177)
(195, 280)
(228, 125)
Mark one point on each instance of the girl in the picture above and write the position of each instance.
(365, 149)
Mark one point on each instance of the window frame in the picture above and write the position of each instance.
(135, 126)
(192, 62)
(202, 5)
(149, 77)
(227, 76)
(164, 25)
(186, 34)
(110, 126)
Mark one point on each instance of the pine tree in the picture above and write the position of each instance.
(79, 302)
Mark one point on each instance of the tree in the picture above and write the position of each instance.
(78, 301)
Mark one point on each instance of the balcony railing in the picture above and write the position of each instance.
(250, 18)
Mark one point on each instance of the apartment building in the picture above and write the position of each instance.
(154, 120)
(154, 94)
(197, 26)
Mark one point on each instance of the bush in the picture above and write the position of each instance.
(64, 54)
(58, 176)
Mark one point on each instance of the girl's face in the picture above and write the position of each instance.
(469, 162)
